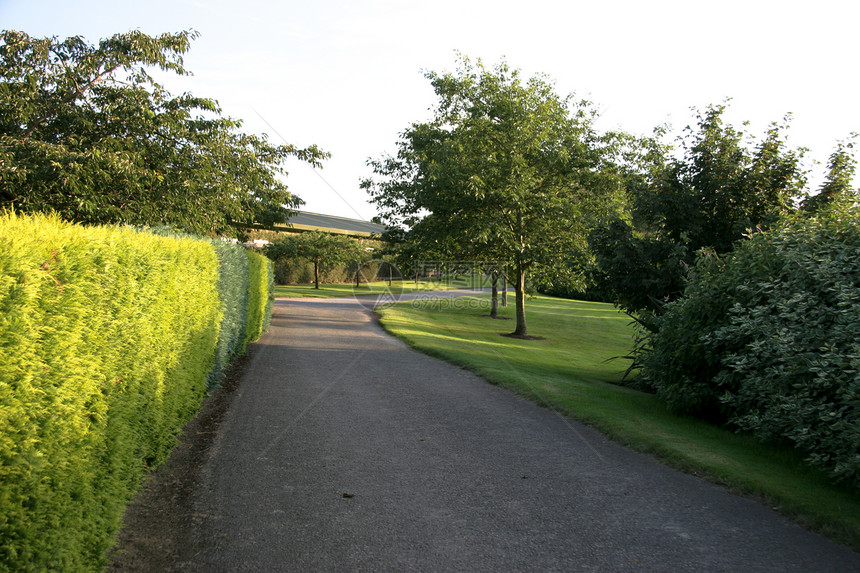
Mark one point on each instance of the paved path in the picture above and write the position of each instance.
(344, 450)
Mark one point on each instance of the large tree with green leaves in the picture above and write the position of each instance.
(86, 131)
(709, 195)
(507, 170)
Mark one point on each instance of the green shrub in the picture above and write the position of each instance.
(233, 289)
(682, 362)
(768, 340)
(301, 271)
(270, 295)
(107, 336)
(293, 271)
(260, 296)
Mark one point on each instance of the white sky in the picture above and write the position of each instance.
(348, 75)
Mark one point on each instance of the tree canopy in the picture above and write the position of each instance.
(709, 196)
(86, 131)
(507, 171)
(837, 190)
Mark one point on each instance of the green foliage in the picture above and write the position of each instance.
(269, 296)
(260, 296)
(322, 250)
(836, 191)
(301, 271)
(639, 272)
(766, 339)
(506, 171)
(106, 339)
(708, 198)
(86, 132)
(682, 363)
(234, 288)
(238, 282)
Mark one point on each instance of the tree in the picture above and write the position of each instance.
(506, 171)
(836, 189)
(319, 248)
(87, 132)
(720, 188)
(711, 196)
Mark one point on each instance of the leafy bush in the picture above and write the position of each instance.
(236, 288)
(290, 270)
(233, 288)
(260, 296)
(297, 270)
(107, 336)
(767, 339)
(639, 273)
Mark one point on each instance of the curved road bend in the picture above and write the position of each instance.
(344, 450)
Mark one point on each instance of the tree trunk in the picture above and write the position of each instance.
(494, 298)
(520, 289)
(316, 274)
(504, 290)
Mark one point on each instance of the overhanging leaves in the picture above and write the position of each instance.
(87, 132)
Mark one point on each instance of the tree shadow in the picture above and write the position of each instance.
(522, 336)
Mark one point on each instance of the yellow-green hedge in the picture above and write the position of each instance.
(107, 336)
(260, 295)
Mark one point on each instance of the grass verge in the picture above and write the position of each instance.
(568, 372)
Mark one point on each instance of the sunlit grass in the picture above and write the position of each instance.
(378, 287)
(571, 371)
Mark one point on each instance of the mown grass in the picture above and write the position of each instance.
(379, 287)
(571, 371)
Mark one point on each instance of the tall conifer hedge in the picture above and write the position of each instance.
(107, 339)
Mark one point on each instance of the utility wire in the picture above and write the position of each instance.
(315, 170)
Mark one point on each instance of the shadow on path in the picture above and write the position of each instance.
(343, 450)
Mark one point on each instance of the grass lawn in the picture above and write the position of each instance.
(568, 372)
(380, 287)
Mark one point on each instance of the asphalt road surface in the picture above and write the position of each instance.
(344, 450)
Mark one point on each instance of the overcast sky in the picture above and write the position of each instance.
(348, 75)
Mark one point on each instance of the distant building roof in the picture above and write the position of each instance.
(305, 221)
